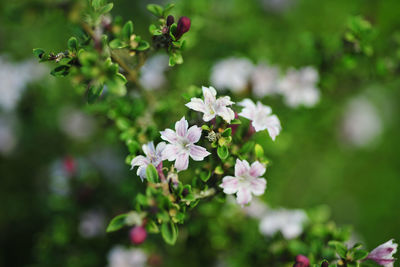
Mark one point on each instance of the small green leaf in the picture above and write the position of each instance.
(127, 30)
(169, 232)
(227, 132)
(340, 248)
(38, 52)
(96, 4)
(121, 77)
(156, 10)
(218, 170)
(205, 176)
(60, 71)
(154, 30)
(94, 92)
(73, 44)
(259, 151)
(236, 121)
(151, 174)
(167, 9)
(247, 147)
(117, 223)
(117, 43)
(107, 8)
(360, 254)
(222, 152)
(143, 45)
(205, 127)
(152, 227)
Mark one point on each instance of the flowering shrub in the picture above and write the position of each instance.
(202, 164)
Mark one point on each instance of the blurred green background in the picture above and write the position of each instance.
(311, 162)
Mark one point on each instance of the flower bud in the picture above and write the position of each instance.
(170, 20)
(69, 165)
(138, 235)
(383, 254)
(183, 26)
(301, 261)
(325, 264)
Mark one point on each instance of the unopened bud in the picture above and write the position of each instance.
(138, 235)
(170, 20)
(183, 26)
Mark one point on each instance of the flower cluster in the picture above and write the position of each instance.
(298, 87)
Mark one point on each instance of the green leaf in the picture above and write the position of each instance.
(73, 44)
(339, 247)
(96, 4)
(156, 10)
(121, 77)
(247, 147)
(143, 45)
(152, 227)
(117, 43)
(360, 254)
(107, 8)
(176, 58)
(169, 232)
(94, 92)
(127, 30)
(167, 9)
(60, 71)
(152, 174)
(259, 151)
(236, 121)
(117, 223)
(222, 152)
(154, 30)
(38, 52)
(227, 132)
(172, 30)
(205, 127)
(205, 176)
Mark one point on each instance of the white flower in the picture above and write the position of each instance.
(182, 144)
(232, 74)
(123, 257)
(261, 117)
(257, 209)
(8, 136)
(153, 156)
(152, 76)
(211, 106)
(92, 224)
(383, 254)
(245, 182)
(361, 123)
(288, 222)
(76, 124)
(299, 87)
(264, 80)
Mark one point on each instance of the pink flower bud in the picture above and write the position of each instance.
(383, 254)
(183, 26)
(138, 235)
(302, 261)
(170, 20)
(69, 165)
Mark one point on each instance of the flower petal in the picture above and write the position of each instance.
(141, 172)
(226, 113)
(196, 104)
(170, 152)
(230, 184)
(169, 135)
(257, 169)
(160, 147)
(241, 167)
(273, 126)
(194, 134)
(181, 127)
(198, 153)
(243, 196)
(257, 186)
(149, 149)
(139, 161)
(209, 94)
(182, 161)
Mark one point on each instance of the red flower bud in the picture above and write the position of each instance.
(302, 261)
(69, 165)
(138, 235)
(170, 20)
(183, 26)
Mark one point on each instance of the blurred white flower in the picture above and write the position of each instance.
(13, 79)
(232, 74)
(261, 118)
(211, 106)
(182, 144)
(153, 156)
(119, 256)
(299, 87)
(75, 123)
(288, 222)
(256, 209)
(246, 182)
(361, 124)
(383, 254)
(92, 224)
(264, 80)
(8, 137)
(152, 76)
(59, 183)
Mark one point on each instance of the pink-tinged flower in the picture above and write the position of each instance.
(261, 118)
(182, 144)
(153, 156)
(211, 106)
(246, 181)
(302, 261)
(383, 254)
(138, 235)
